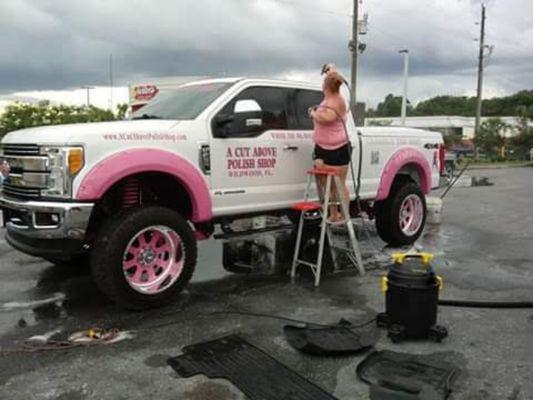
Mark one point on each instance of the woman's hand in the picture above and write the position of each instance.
(323, 115)
(319, 163)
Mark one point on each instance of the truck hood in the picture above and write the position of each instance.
(80, 133)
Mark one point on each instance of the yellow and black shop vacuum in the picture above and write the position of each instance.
(411, 290)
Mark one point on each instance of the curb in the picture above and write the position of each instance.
(496, 166)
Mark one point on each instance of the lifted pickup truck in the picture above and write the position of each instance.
(134, 196)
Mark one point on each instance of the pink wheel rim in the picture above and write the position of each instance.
(411, 215)
(153, 260)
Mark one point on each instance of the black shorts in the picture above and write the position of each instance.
(337, 157)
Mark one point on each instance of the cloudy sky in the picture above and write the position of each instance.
(64, 44)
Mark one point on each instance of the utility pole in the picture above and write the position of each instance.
(354, 48)
(405, 53)
(88, 88)
(480, 74)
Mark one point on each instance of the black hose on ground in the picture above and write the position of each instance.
(486, 304)
(455, 179)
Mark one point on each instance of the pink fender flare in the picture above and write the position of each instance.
(118, 166)
(404, 156)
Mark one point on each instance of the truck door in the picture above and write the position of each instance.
(258, 159)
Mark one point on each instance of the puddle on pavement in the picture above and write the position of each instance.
(211, 390)
(59, 293)
(157, 360)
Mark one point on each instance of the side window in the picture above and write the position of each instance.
(252, 112)
(303, 99)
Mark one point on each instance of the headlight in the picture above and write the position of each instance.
(65, 163)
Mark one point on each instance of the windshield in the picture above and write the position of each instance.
(185, 102)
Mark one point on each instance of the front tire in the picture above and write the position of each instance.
(144, 257)
(400, 219)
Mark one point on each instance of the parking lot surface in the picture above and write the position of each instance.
(483, 248)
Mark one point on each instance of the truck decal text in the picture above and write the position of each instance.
(251, 161)
(153, 136)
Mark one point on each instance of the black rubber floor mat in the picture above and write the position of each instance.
(335, 340)
(255, 373)
(420, 377)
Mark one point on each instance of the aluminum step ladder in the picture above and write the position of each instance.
(331, 179)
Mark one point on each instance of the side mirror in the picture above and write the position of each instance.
(223, 119)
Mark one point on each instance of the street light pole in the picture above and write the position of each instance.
(405, 53)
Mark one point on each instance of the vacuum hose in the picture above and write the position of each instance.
(486, 304)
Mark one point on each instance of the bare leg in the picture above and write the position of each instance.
(321, 182)
(342, 172)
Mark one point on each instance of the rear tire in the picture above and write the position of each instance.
(144, 257)
(393, 224)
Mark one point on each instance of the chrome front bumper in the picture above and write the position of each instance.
(67, 220)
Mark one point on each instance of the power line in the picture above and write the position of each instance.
(313, 9)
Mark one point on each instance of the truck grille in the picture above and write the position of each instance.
(21, 192)
(20, 149)
(22, 158)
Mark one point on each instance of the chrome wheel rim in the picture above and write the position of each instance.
(411, 215)
(153, 259)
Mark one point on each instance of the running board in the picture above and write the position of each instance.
(237, 234)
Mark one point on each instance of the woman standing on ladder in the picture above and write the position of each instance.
(332, 148)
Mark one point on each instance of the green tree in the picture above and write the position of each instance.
(19, 115)
(522, 142)
(390, 107)
(122, 109)
(446, 105)
(513, 105)
(491, 138)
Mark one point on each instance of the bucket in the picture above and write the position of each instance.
(434, 210)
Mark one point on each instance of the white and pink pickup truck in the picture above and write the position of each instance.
(135, 196)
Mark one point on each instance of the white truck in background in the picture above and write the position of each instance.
(134, 196)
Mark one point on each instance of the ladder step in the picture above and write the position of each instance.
(337, 223)
(323, 171)
(342, 248)
(307, 263)
(307, 206)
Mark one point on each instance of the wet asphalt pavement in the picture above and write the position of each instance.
(484, 251)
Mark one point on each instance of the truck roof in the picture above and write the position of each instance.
(262, 81)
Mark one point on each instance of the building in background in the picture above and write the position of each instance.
(142, 92)
(448, 125)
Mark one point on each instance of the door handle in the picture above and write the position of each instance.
(291, 148)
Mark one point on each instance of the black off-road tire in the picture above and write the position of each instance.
(388, 214)
(114, 236)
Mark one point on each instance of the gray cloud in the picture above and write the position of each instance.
(53, 44)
